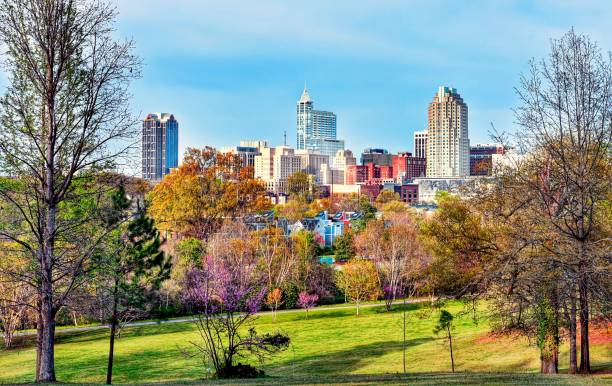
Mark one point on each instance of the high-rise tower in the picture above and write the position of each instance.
(159, 145)
(448, 145)
(316, 130)
(420, 144)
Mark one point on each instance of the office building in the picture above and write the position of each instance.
(258, 144)
(245, 153)
(311, 162)
(376, 157)
(159, 145)
(264, 164)
(343, 158)
(274, 165)
(286, 163)
(481, 158)
(420, 144)
(406, 167)
(316, 129)
(327, 146)
(448, 145)
(330, 176)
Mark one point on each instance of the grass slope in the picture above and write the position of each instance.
(330, 347)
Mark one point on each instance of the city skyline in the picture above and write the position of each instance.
(229, 70)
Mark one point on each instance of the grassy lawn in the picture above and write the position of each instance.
(330, 347)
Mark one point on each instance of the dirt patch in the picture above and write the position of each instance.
(599, 333)
(493, 337)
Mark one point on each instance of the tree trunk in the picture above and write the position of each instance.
(357, 307)
(549, 362)
(585, 361)
(39, 338)
(404, 342)
(573, 367)
(450, 343)
(47, 344)
(113, 332)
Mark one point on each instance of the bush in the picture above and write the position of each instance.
(239, 371)
(290, 295)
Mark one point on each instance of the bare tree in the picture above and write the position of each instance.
(565, 122)
(15, 300)
(65, 115)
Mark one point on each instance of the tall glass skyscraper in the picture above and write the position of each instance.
(316, 130)
(159, 145)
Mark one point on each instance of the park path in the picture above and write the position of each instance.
(190, 319)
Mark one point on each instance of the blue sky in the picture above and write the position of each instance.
(232, 70)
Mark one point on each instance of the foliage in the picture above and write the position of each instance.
(209, 186)
(295, 209)
(65, 117)
(225, 298)
(393, 245)
(462, 245)
(307, 301)
(394, 207)
(344, 247)
(274, 299)
(385, 196)
(299, 185)
(445, 324)
(358, 279)
(131, 265)
(290, 295)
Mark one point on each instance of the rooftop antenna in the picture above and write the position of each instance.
(285, 140)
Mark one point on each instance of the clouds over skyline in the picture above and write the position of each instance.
(232, 70)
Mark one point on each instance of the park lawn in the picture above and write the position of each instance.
(335, 345)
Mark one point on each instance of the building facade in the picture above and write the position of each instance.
(406, 167)
(355, 174)
(245, 153)
(376, 157)
(420, 144)
(342, 159)
(274, 165)
(311, 162)
(259, 144)
(481, 158)
(159, 145)
(448, 145)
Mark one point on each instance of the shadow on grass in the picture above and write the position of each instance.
(341, 361)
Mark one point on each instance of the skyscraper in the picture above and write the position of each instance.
(316, 130)
(448, 145)
(420, 144)
(159, 145)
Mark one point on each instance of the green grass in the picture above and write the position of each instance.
(330, 347)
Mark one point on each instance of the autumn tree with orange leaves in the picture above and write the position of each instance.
(201, 193)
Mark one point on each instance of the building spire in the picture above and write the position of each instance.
(305, 96)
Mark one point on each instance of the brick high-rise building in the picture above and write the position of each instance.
(448, 145)
(355, 174)
(159, 145)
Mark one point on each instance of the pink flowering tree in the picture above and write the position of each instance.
(225, 299)
(307, 301)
